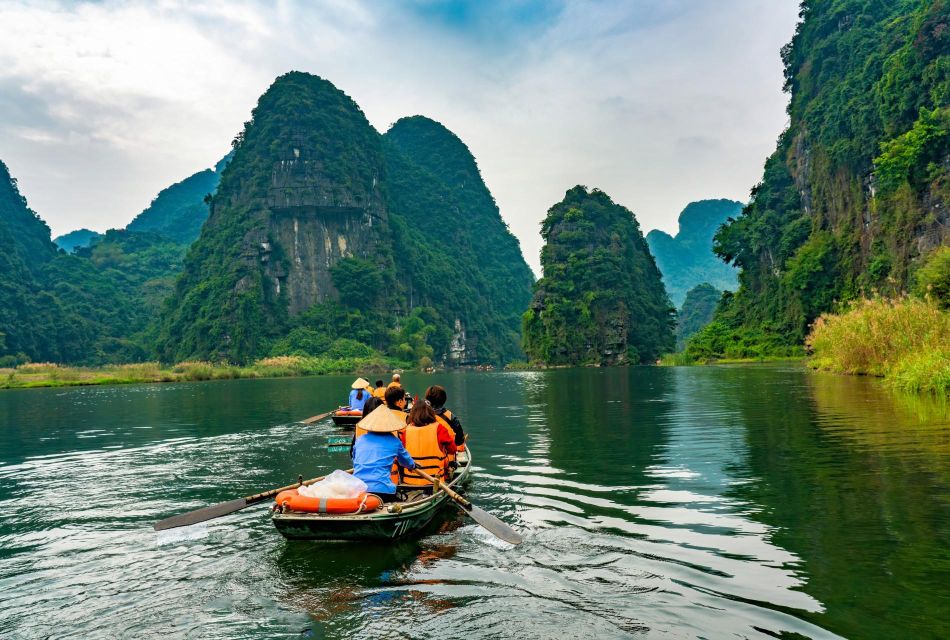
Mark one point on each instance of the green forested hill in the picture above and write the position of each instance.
(697, 311)
(76, 239)
(687, 259)
(25, 249)
(601, 300)
(321, 230)
(300, 194)
(178, 211)
(856, 194)
(324, 237)
(457, 252)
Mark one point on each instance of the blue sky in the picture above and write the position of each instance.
(657, 102)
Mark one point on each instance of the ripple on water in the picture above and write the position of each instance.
(648, 511)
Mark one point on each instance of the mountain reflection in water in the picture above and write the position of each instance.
(707, 502)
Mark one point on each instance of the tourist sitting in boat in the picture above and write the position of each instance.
(396, 400)
(396, 381)
(361, 391)
(429, 443)
(380, 390)
(375, 452)
(436, 397)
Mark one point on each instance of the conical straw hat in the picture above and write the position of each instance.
(360, 384)
(382, 420)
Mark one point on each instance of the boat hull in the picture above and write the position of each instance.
(345, 421)
(382, 524)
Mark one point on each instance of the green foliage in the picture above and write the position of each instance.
(914, 157)
(358, 281)
(455, 252)
(687, 259)
(813, 234)
(933, 278)
(698, 310)
(601, 300)
(906, 340)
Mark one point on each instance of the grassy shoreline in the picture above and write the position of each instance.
(45, 374)
(905, 340)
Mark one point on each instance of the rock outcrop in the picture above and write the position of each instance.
(601, 300)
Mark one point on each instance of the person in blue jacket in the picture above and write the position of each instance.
(361, 392)
(375, 451)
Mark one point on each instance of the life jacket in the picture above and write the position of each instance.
(423, 445)
(380, 392)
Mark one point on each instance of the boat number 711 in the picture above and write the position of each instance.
(401, 528)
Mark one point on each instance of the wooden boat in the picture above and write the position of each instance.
(391, 521)
(343, 418)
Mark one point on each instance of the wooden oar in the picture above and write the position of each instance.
(224, 508)
(495, 526)
(318, 418)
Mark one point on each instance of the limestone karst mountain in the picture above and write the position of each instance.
(322, 230)
(601, 300)
(687, 259)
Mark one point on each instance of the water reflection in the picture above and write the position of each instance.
(696, 502)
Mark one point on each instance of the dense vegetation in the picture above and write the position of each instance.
(856, 194)
(178, 212)
(697, 311)
(451, 243)
(421, 243)
(601, 300)
(687, 259)
(906, 340)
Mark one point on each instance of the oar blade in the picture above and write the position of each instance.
(203, 514)
(495, 526)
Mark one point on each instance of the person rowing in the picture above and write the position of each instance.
(378, 450)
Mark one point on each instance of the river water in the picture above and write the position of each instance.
(707, 502)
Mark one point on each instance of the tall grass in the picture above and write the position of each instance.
(906, 340)
(46, 374)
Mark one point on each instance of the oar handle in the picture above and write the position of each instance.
(441, 485)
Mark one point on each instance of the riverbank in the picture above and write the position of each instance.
(47, 374)
(905, 340)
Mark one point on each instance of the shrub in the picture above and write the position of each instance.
(933, 278)
(906, 339)
(925, 371)
(194, 370)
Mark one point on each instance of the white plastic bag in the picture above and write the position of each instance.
(338, 484)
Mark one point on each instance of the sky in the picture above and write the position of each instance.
(656, 102)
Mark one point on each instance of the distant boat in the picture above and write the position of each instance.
(390, 521)
(346, 417)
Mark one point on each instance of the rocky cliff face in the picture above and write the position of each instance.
(318, 216)
(601, 300)
(858, 190)
(301, 193)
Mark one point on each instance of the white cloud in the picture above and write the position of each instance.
(658, 103)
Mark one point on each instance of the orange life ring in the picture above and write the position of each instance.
(362, 503)
(351, 412)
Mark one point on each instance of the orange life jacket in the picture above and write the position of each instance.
(445, 418)
(422, 443)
